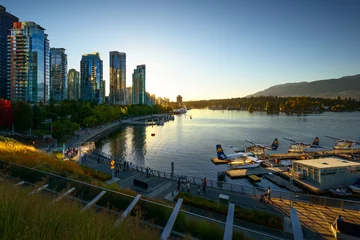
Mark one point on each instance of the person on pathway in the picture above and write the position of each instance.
(178, 186)
(98, 160)
(205, 185)
(131, 166)
(124, 165)
(188, 186)
(198, 191)
(268, 195)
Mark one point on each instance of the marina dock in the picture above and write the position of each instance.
(217, 161)
(282, 182)
(255, 178)
(242, 173)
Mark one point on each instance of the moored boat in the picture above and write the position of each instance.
(340, 192)
(355, 187)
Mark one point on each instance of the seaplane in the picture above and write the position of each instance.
(239, 159)
(300, 147)
(345, 144)
(257, 148)
(237, 155)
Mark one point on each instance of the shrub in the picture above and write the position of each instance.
(255, 216)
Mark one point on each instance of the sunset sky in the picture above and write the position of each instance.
(206, 49)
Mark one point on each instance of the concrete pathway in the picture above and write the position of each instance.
(315, 219)
(84, 135)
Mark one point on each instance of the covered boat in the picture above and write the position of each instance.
(355, 187)
(340, 192)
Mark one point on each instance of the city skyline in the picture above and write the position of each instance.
(227, 49)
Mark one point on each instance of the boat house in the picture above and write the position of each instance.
(326, 173)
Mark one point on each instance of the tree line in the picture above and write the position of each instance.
(277, 104)
(67, 116)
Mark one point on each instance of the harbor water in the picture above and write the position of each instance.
(190, 142)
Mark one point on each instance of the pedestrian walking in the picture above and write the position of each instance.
(124, 165)
(198, 191)
(127, 165)
(188, 186)
(98, 160)
(147, 172)
(178, 186)
(204, 185)
(131, 166)
(268, 195)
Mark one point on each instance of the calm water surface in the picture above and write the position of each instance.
(190, 143)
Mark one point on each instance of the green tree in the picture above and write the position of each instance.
(64, 128)
(269, 106)
(23, 115)
(38, 116)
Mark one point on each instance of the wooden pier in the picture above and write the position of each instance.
(217, 161)
(255, 178)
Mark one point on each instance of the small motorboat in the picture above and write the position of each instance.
(355, 187)
(153, 134)
(340, 192)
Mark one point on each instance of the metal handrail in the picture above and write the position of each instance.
(237, 188)
(141, 199)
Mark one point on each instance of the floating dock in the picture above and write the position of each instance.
(255, 178)
(217, 161)
(282, 182)
(242, 173)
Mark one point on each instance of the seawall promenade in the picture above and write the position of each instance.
(87, 134)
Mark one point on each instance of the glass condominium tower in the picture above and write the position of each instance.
(73, 85)
(138, 85)
(28, 63)
(91, 74)
(117, 78)
(6, 23)
(58, 74)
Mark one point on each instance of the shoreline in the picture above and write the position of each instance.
(85, 135)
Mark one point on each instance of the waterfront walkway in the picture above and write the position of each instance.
(87, 134)
(315, 219)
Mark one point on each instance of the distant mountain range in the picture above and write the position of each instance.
(348, 86)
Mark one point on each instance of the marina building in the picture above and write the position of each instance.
(28, 63)
(117, 78)
(73, 84)
(326, 173)
(91, 75)
(6, 23)
(138, 85)
(58, 74)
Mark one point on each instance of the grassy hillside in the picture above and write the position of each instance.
(348, 86)
(16, 152)
(33, 217)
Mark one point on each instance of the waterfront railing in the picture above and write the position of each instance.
(235, 188)
(111, 201)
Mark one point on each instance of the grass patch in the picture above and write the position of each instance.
(254, 216)
(13, 151)
(33, 217)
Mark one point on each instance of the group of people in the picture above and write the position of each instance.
(182, 185)
(128, 166)
(70, 152)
